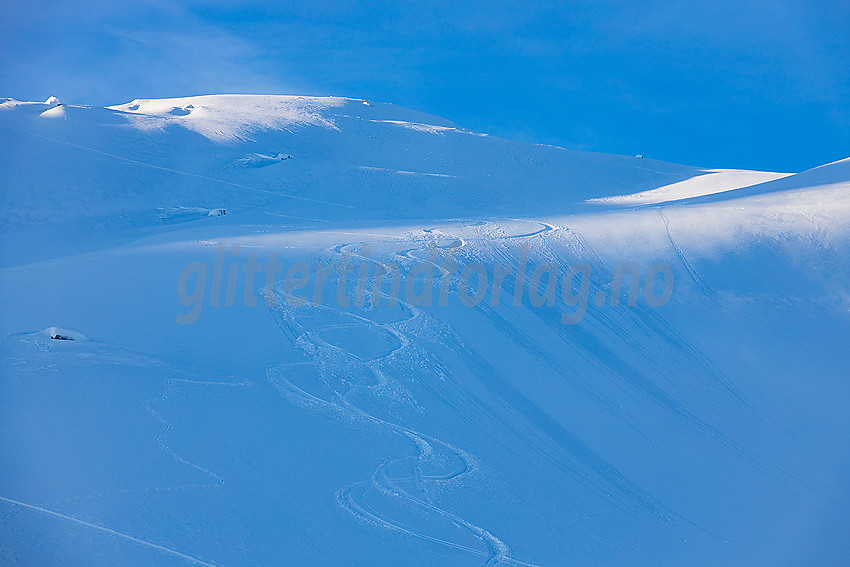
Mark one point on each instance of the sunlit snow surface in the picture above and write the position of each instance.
(710, 431)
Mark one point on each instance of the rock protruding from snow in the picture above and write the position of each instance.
(63, 334)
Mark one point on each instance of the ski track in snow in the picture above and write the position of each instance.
(160, 439)
(109, 531)
(541, 433)
(538, 431)
(351, 497)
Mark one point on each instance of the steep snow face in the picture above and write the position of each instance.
(709, 430)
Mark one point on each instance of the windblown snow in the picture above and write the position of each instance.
(711, 430)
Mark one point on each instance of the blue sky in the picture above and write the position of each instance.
(761, 85)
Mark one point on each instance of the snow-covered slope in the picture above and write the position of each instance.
(130, 165)
(710, 430)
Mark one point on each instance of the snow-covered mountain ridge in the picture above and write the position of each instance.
(363, 152)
